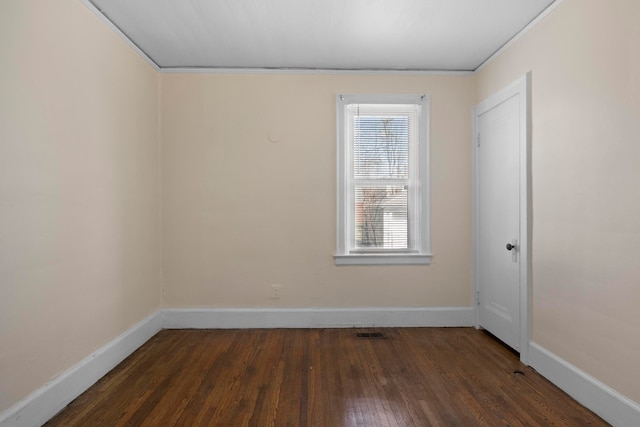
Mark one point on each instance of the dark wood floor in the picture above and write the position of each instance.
(324, 377)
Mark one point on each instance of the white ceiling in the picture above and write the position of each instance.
(443, 35)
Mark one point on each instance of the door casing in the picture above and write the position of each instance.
(521, 87)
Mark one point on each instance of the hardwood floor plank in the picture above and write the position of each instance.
(324, 378)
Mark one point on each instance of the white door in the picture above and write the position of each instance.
(501, 227)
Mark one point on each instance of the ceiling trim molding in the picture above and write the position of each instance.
(105, 19)
(318, 71)
(321, 71)
(521, 33)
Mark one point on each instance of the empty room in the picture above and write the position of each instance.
(299, 213)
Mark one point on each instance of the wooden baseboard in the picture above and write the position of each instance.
(48, 400)
(232, 318)
(610, 405)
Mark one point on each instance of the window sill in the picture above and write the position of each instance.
(383, 259)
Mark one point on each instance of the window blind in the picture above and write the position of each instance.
(384, 176)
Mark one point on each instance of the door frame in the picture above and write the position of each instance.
(521, 87)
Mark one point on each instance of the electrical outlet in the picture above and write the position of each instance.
(275, 291)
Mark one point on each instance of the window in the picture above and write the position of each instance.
(383, 187)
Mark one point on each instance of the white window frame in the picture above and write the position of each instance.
(421, 253)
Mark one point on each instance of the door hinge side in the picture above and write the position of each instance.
(478, 140)
(477, 297)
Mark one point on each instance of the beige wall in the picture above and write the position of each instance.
(79, 192)
(585, 62)
(80, 117)
(241, 213)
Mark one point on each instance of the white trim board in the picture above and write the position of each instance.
(314, 71)
(48, 400)
(612, 406)
(520, 33)
(348, 317)
(105, 20)
(522, 89)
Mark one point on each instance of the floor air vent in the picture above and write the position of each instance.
(374, 335)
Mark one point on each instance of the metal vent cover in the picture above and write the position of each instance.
(370, 335)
